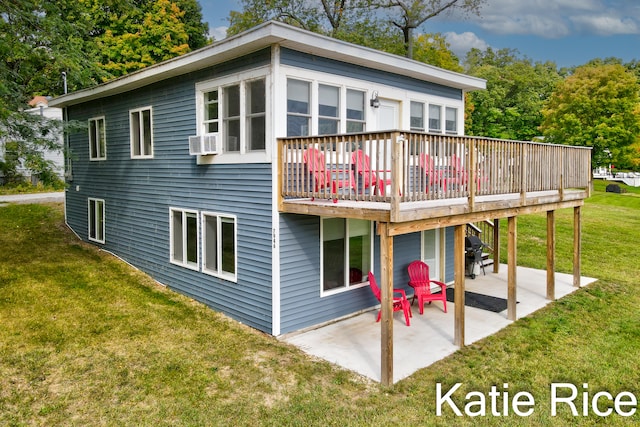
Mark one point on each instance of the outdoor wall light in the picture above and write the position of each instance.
(374, 101)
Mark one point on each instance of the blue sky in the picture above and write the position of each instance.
(568, 32)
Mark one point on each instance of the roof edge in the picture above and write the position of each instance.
(264, 35)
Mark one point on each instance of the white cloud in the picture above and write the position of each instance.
(218, 33)
(462, 43)
(559, 18)
(605, 25)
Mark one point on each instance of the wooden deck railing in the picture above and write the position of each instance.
(398, 166)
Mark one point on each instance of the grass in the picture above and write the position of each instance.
(28, 188)
(86, 340)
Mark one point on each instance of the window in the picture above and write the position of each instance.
(96, 220)
(184, 238)
(141, 127)
(236, 111)
(451, 120)
(211, 112)
(430, 252)
(298, 108)
(231, 118)
(328, 109)
(355, 111)
(219, 245)
(97, 139)
(346, 252)
(417, 116)
(256, 115)
(434, 118)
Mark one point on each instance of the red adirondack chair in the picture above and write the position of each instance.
(435, 177)
(366, 175)
(400, 302)
(320, 176)
(420, 282)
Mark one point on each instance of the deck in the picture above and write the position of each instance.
(399, 177)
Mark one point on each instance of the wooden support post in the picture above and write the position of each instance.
(577, 245)
(551, 255)
(386, 305)
(496, 245)
(396, 174)
(512, 261)
(458, 286)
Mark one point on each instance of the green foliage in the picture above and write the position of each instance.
(433, 49)
(517, 89)
(90, 41)
(140, 38)
(597, 106)
(407, 15)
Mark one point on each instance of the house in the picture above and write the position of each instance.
(197, 171)
(40, 106)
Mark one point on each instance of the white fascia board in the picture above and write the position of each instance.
(260, 37)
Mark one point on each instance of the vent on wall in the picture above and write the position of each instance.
(204, 145)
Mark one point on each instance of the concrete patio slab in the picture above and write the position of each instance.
(354, 343)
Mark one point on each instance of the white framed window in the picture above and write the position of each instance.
(435, 118)
(451, 120)
(231, 118)
(298, 108)
(356, 120)
(417, 116)
(211, 111)
(431, 252)
(328, 109)
(141, 133)
(315, 108)
(184, 230)
(235, 108)
(97, 139)
(256, 114)
(96, 220)
(347, 253)
(219, 245)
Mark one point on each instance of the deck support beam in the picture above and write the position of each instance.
(512, 262)
(551, 255)
(386, 305)
(458, 287)
(577, 245)
(496, 245)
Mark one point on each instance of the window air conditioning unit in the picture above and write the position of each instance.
(204, 145)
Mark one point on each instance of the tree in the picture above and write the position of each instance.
(517, 89)
(140, 38)
(355, 21)
(597, 106)
(40, 40)
(407, 15)
(433, 49)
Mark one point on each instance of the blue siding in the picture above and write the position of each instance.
(449, 269)
(316, 63)
(138, 194)
(301, 304)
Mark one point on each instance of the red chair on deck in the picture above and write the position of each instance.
(399, 302)
(435, 177)
(320, 176)
(420, 282)
(367, 176)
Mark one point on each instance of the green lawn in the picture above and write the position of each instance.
(86, 340)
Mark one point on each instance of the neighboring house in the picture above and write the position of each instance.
(40, 106)
(250, 230)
